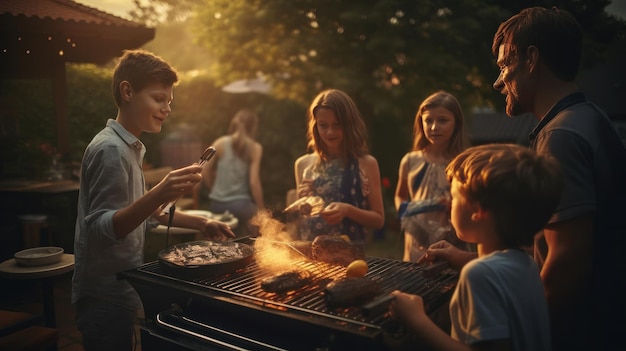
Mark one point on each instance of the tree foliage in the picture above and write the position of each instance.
(390, 52)
(387, 54)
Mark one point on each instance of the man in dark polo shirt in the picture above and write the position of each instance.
(582, 251)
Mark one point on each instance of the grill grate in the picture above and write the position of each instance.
(244, 284)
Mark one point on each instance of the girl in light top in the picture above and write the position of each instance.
(422, 195)
(233, 178)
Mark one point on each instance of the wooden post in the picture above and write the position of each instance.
(59, 91)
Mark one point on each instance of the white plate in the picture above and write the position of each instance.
(39, 256)
(200, 213)
(232, 222)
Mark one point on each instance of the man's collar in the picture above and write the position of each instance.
(564, 103)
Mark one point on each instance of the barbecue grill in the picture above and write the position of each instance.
(231, 311)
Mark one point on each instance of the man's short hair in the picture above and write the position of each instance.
(555, 33)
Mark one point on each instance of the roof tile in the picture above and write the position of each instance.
(66, 10)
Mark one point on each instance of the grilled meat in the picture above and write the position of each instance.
(351, 291)
(336, 250)
(285, 282)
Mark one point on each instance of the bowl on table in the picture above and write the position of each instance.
(39, 256)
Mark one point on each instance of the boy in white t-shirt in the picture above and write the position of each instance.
(502, 195)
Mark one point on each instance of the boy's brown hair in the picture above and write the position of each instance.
(141, 68)
(519, 187)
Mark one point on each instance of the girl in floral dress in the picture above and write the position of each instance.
(339, 170)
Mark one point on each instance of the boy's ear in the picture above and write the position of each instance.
(479, 213)
(126, 90)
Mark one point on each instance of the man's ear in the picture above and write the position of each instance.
(126, 90)
(532, 58)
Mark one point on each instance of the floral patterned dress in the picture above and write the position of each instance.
(335, 181)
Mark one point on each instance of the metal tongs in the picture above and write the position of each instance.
(271, 241)
(171, 207)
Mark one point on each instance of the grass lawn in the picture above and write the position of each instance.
(388, 245)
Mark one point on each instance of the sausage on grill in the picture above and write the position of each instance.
(351, 291)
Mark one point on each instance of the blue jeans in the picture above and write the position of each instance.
(105, 326)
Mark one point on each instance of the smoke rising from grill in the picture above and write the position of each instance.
(273, 244)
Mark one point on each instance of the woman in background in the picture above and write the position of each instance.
(422, 195)
(339, 170)
(233, 178)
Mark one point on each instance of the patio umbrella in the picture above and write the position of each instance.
(256, 85)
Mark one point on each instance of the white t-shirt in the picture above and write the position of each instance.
(500, 296)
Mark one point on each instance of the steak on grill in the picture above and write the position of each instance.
(285, 282)
(335, 250)
(351, 291)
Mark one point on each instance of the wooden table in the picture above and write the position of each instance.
(44, 274)
(32, 186)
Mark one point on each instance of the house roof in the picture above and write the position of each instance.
(35, 33)
(65, 10)
(37, 38)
